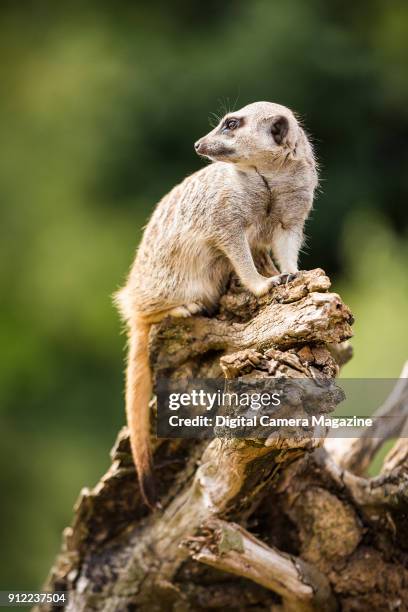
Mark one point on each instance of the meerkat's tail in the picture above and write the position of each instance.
(138, 392)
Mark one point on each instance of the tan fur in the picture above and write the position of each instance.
(138, 392)
(255, 196)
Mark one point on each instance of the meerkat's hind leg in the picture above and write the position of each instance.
(195, 307)
(181, 312)
(186, 310)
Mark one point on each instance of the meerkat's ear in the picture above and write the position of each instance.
(280, 129)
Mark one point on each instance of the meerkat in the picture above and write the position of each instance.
(256, 194)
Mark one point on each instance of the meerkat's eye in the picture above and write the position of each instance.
(230, 124)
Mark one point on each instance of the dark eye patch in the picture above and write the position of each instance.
(230, 124)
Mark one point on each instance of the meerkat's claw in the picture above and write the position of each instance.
(286, 278)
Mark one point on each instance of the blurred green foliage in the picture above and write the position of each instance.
(100, 107)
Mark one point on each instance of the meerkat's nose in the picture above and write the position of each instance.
(200, 147)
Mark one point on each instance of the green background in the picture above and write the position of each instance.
(101, 104)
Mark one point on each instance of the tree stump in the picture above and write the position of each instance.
(244, 524)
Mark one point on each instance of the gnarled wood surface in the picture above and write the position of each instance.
(244, 524)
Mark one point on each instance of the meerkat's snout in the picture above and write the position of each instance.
(200, 147)
(209, 147)
(213, 148)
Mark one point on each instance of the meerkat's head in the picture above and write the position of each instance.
(259, 134)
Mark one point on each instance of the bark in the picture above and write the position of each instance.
(272, 524)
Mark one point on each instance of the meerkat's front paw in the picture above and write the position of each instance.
(287, 277)
(264, 286)
(274, 281)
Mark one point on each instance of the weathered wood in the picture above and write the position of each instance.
(229, 547)
(303, 518)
